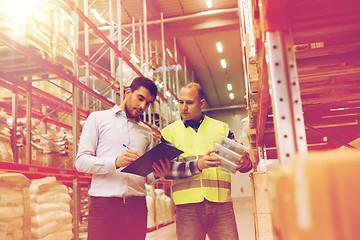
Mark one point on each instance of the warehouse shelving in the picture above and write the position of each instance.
(31, 65)
(325, 36)
(304, 83)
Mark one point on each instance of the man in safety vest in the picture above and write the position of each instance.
(201, 190)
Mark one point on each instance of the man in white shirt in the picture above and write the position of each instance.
(109, 142)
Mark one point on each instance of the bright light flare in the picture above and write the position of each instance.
(19, 8)
(209, 3)
(231, 95)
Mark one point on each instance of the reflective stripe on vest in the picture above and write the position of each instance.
(197, 184)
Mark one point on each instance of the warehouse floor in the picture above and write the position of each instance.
(243, 208)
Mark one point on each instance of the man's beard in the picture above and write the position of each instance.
(129, 109)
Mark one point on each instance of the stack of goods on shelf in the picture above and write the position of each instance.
(317, 197)
(54, 146)
(160, 207)
(46, 25)
(150, 202)
(27, 24)
(84, 208)
(5, 142)
(62, 34)
(50, 210)
(163, 208)
(51, 144)
(14, 206)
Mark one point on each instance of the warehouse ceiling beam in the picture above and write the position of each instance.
(188, 25)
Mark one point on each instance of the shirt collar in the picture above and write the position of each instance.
(194, 124)
(119, 112)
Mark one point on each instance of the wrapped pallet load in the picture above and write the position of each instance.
(317, 197)
(50, 210)
(62, 34)
(28, 24)
(14, 206)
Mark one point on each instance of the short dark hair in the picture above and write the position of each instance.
(146, 83)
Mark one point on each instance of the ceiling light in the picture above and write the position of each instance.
(219, 47)
(209, 3)
(97, 15)
(229, 86)
(231, 95)
(223, 63)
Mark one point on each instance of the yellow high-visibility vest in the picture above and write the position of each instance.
(212, 183)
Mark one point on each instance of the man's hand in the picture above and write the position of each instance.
(208, 160)
(127, 157)
(160, 171)
(244, 161)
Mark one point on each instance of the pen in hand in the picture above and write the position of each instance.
(126, 146)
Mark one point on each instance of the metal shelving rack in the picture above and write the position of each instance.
(308, 60)
(304, 82)
(83, 96)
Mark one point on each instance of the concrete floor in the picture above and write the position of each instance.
(243, 208)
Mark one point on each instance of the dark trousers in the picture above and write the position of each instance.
(113, 218)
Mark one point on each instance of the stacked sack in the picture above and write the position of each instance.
(163, 207)
(50, 210)
(6, 154)
(150, 202)
(14, 206)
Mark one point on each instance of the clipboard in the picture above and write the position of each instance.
(143, 165)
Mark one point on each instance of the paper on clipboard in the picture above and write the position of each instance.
(143, 165)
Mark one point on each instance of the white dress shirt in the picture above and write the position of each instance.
(101, 142)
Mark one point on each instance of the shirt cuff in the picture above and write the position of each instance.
(116, 168)
(150, 178)
(196, 168)
(246, 169)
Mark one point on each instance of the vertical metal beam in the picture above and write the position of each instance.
(14, 127)
(146, 70)
(285, 95)
(146, 40)
(120, 45)
(164, 65)
(185, 71)
(77, 208)
(75, 127)
(87, 54)
(242, 7)
(28, 120)
(176, 69)
(141, 46)
(112, 52)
